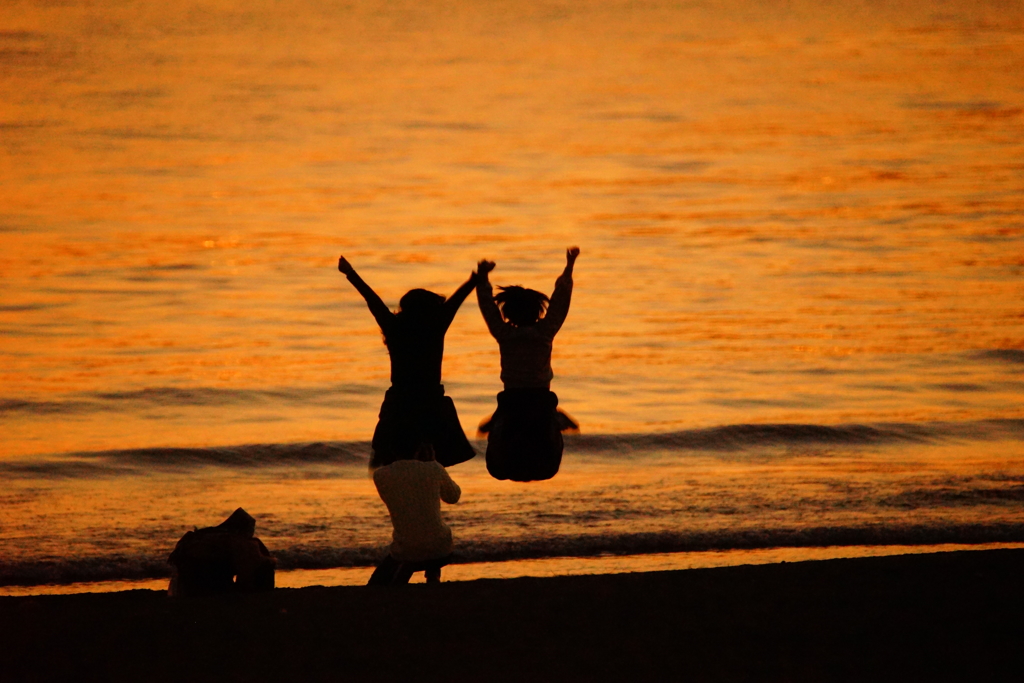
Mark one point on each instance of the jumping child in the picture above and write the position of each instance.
(524, 436)
(415, 410)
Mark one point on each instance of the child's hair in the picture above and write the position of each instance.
(521, 306)
(424, 452)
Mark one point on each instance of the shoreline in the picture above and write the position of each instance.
(544, 567)
(943, 616)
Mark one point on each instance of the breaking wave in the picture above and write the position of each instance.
(741, 436)
(726, 439)
(117, 401)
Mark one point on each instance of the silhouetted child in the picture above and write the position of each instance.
(413, 491)
(415, 409)
(524, 436)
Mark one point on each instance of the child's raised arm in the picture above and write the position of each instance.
(485, 299)
(381, 313)
(570, 260)
(562, 296)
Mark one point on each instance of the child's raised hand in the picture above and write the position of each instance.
(484, 267)
(571, 253)
(344, 266)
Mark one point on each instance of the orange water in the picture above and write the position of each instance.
(788, 213)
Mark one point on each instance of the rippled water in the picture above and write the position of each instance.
(789, 214)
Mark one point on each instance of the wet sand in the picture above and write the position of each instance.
(946, 616)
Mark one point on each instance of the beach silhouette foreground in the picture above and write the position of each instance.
(946, 616)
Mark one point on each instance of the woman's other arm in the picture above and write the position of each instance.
(453, 302)
(381, 313)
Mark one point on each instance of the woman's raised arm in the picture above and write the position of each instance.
(381, 313)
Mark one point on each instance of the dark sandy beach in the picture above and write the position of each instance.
(947, 616)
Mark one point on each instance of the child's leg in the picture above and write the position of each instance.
(403, 574)
(384, 574)
(433, 574)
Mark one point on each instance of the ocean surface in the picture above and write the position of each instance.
(798, 319)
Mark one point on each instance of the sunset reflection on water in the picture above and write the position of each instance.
(788, 214)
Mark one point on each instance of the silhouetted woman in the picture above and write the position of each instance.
(524, 436)
(415, 410)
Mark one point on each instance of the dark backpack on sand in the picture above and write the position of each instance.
(222, 559)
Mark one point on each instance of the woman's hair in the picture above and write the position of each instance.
(416, 308)
(521, 306)
(420, 303)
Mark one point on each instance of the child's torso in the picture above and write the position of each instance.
(526, 357)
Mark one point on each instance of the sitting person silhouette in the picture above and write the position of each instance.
(413, 491)
(415, 408)
(524, 436)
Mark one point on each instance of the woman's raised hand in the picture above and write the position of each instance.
(344, 266)
(484, 267)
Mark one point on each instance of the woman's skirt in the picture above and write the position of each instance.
(524, 436)
(410, 418)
